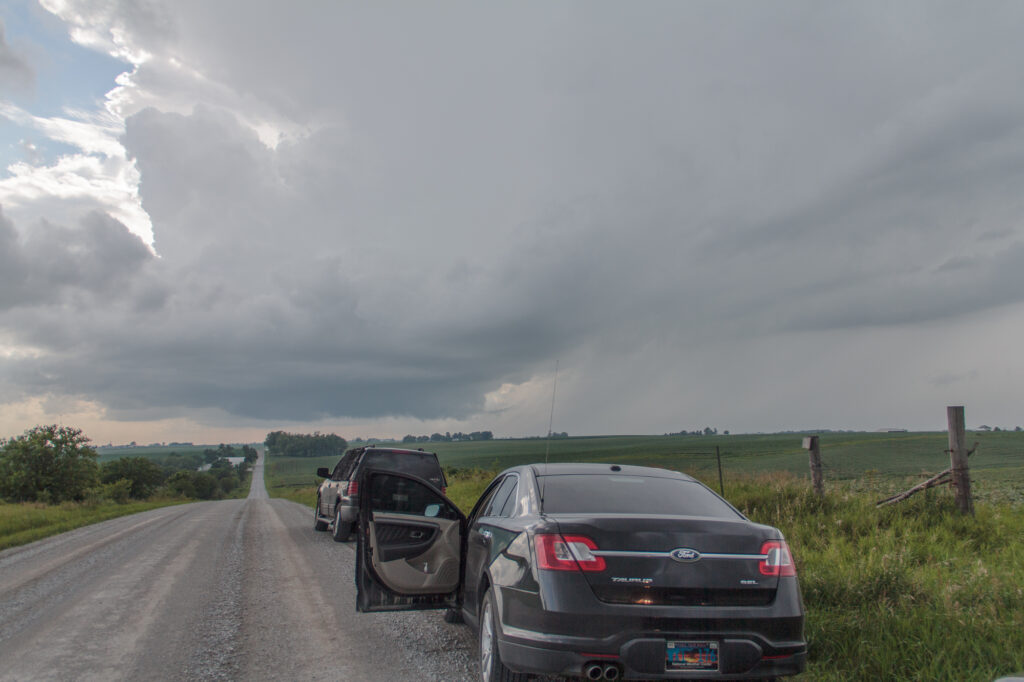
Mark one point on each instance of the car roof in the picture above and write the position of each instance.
(583, 468)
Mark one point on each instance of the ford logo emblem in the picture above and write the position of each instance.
(685, 555)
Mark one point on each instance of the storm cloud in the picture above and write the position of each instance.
(365, 212)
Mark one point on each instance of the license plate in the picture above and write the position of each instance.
(691, 655)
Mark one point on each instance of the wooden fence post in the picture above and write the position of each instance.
(811, 443)
(958, 459)
(721, 483)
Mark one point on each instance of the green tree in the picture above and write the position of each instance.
(207, 486)
(47, 464)
(282, 444)
(144, 474)
(182, 483)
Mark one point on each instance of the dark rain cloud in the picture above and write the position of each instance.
(629, 189)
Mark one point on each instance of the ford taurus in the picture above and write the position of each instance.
(592, 571)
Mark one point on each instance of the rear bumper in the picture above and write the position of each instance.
(642, 656)
(753, 642)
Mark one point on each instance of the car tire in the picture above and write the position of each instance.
(492, 669)
(342, 531)
(318, 523)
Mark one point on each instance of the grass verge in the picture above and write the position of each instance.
(28, 521)
(906, 592)
(25, 522)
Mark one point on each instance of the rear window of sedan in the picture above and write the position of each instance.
(618, 494)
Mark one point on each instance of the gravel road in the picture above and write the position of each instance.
(236, 589)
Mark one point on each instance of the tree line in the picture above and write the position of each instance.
(54, 464)
(283, 444)
(448, 437)
(708, 431)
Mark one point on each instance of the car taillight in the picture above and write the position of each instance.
(444, 490)
(353, 488)
(567, 553)
(778, 560)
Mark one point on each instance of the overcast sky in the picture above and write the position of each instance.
(383, 218)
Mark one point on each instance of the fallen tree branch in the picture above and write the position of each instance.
(940, 478)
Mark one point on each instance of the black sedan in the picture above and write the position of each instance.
(588, 570)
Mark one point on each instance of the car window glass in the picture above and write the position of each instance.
(500, 496)
(485, 500)
(399, 495)
(509, 507)
(611, 494)
(421, 464)
(346, 466)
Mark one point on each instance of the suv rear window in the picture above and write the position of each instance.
(424, 465)
(618, 494)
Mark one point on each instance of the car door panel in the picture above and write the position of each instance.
(410, 544)
(413, 556)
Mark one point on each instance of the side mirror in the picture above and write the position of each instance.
(432, 510)
(323, 472)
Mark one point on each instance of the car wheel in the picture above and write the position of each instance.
(342, 530)
(492, 669)
(318, 523)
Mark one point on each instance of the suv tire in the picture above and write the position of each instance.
(492, 669)
(342, 531)
(318, 523)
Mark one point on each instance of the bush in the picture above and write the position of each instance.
(228, 483)
(117, 491)
(143, 475)
(207, 486)
(182, 483)
(49, 464)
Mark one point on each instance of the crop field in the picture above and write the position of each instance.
(880, 463)
(159, 451)
(912, 591)
(884, 460)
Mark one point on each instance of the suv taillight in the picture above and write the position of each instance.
(778, 561)
(557, 552)
(353, 488)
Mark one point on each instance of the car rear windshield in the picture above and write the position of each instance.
(618, 494)
(423, 465)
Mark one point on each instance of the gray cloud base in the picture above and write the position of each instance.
(477, 194)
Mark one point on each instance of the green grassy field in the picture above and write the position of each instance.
(27, 522)
(884, 461)
(913, 591)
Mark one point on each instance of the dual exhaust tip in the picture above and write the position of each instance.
(598, 671)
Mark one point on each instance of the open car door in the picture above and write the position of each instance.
(409, 551)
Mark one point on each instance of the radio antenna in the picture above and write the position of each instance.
(551, 423)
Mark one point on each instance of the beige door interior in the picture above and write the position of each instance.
(431, 569)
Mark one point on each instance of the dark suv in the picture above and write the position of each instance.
(337, 500)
